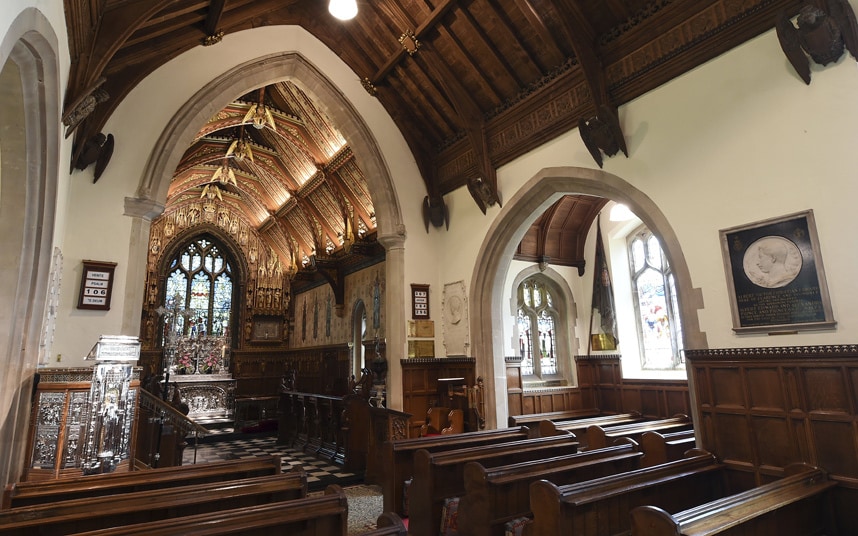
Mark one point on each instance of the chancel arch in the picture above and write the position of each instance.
(507, 230)
(168, 151)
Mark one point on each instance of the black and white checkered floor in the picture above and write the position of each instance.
(320, 472)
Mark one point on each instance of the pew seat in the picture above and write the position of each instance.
(795, 505)
(42, 492)
(397, 458)
(439, 476)
(603, 436)
(311, 516)
(601, 506)
(92, 513)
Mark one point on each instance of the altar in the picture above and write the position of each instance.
(210, 397)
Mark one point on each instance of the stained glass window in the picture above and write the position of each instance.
(537, 329)
(201, 280)
(656, 303)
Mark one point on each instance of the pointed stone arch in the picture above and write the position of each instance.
(498, 248)
(29, 167)
(168, 150)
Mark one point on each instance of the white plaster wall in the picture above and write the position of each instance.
(100, 231)
(737, 140)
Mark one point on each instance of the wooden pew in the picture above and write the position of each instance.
(32, 493)
(535, 418)
(443, 421)
(599, 437)
(312, 516)
(795, 505)
(440, 475)
(579, 426)
(388, 524)
(500, 494)
(600, 507)
(398, 457)
(87, 514)
(661, 448)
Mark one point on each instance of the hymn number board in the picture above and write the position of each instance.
(96, 285)
(420, 301)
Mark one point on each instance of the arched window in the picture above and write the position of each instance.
(537, 321)
(200, 280)
(654, 293)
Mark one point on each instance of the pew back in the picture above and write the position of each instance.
(32, 493)
(79, 515)
(440, 475)
(494, 496)
(579, 426)
(311, 516)
(661, 448)
(599, 437)
(535, 418)
(398, 457)
(795, 504)
(600, 507)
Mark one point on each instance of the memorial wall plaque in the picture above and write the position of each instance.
(775, 274)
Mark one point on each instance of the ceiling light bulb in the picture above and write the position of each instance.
(343, 9)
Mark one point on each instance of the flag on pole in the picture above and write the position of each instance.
(605, 336)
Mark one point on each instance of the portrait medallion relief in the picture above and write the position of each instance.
(772, 261)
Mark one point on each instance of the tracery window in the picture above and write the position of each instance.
(537, 321)
(200, 279)
(655, 300)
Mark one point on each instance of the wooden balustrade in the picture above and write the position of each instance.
(313, 423)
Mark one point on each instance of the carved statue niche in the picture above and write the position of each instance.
(820, 35)
(602, 134)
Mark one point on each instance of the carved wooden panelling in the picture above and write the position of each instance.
(735, 445)
(766, 399)
(825, 389)
(775, 441)
(835, 444)
(727, 386)
(770, 407)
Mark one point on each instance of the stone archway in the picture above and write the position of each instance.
(29, 167)
(509, 227)
(167, 152)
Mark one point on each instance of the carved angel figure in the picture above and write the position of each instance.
(602, 134)
(820, 35)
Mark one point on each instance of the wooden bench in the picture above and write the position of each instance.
(795, 505)
(397, 457)
(661, 448)
(600, 507)
(500, 494)
(599, 437)
(87, 514)
(535, 418)
(388, 524)
(312, 516)
(579, 426)
(440, 475)
(32, 493)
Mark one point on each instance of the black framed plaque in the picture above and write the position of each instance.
(96, 285)
(776, 277)
(419, 301)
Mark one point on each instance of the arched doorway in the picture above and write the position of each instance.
(509, 227)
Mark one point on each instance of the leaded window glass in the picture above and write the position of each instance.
(537, 322)
(656, 303)
(200, 279)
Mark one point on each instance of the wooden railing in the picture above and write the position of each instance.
(312, 423)
(162, 433)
